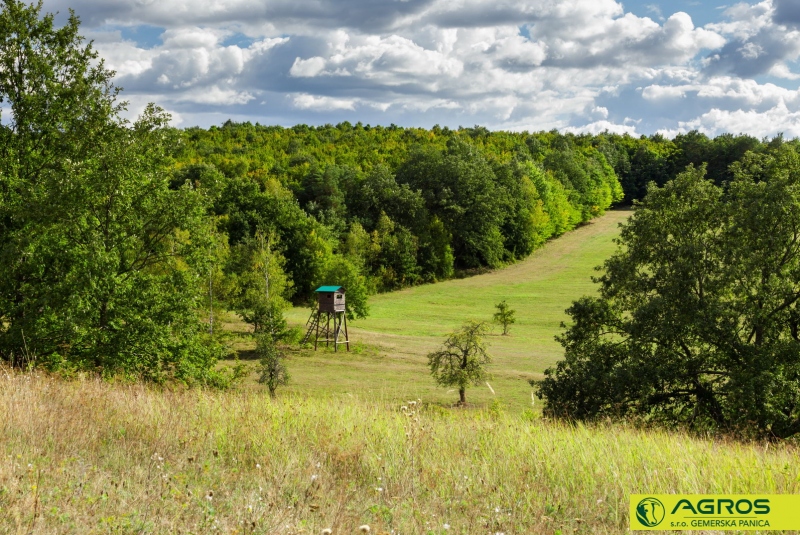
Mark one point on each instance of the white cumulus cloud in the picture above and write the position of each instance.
(577, 65)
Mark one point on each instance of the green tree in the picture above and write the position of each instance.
(504, 316)
(246, 207)
(380, 193)
(459, 188)
(697, 321)
(462, 360)
(272, 363)
(261, 286)
(436, 254)
(396, 262)
(100, 257)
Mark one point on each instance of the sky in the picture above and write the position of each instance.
(640, 67)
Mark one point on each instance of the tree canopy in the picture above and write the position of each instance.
(100, 250)
(462, 359)
(697, 319)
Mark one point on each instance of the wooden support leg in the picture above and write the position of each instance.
(316, 338)
(328, 331)
(336, 323)
(346, 337)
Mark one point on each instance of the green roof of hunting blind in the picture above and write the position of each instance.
(326, 289)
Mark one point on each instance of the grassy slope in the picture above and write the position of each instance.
(89, 457)
(404, 326)
(335, 450)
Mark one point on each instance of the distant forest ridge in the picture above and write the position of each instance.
(400, 206)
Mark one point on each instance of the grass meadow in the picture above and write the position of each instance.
(362, 437)
(86, 456)
(388, 350)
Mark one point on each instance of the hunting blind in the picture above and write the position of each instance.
(331, 308)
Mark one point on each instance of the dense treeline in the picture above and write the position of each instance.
(387, 207)
(639, 161)
(395, 206)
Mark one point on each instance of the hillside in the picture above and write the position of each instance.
(391, 344)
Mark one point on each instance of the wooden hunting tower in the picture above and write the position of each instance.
(330, 307)
(330, 298)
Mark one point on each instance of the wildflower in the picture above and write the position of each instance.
(210, 495)
(379, 489)
(446, 527)
(403, 408)
(327, 531)
(258, 466)
(412, 403)
(314, 477)
(364, 528)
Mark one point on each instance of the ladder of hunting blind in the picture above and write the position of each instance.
(321, 332)
(311, 325)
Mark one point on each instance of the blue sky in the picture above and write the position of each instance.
(702, 13)
(575, 65)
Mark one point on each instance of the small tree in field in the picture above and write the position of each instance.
(272, 367)
(504, 316)
(462, 359)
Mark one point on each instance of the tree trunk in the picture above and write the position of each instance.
(103, 319)
(462, 393)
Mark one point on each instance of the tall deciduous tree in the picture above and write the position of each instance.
(697, 322)
(459, 187)
(99, 256)
(261, 287)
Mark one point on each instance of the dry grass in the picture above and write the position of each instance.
(90, 457)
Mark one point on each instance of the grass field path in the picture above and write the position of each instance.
(391, 344)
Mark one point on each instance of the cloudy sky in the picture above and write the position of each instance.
(575, 65)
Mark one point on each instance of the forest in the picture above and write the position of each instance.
(119, 237)
(403, 206)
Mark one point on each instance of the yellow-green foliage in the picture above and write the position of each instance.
(92, 457)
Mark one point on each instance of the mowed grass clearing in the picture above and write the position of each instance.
(389, 348)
